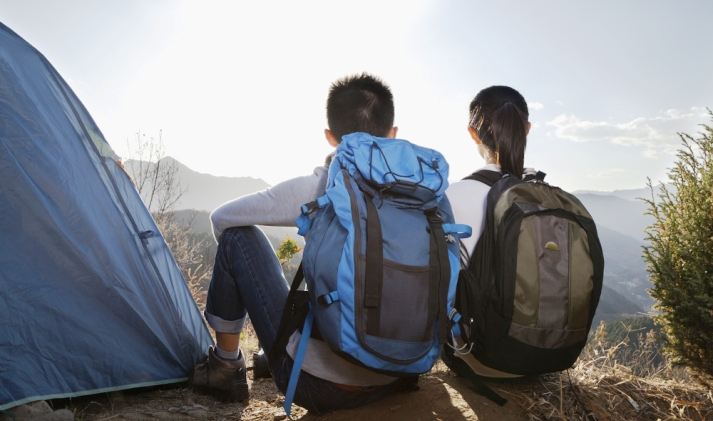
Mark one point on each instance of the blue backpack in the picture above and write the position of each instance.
(381, 259)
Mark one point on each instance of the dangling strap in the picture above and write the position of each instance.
(480, 387)
(297, 366)
(293, 314)
(587, 413)
(288, 312)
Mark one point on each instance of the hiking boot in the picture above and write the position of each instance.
(261, 367)
(226, 380)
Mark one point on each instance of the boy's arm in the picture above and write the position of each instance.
(279, 205)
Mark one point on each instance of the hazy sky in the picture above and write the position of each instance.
(239, 88)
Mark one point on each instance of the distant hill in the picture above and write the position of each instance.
(613, 306)
(624, 266)
(621, 215)
(207, 192)
(632, 194)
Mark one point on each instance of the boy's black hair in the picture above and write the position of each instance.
(360, 103)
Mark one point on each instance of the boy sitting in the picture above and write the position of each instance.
(247, 277)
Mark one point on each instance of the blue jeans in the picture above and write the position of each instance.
(247, 279)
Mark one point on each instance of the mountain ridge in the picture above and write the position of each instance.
(205, 191)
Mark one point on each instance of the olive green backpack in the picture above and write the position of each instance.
(526, 301)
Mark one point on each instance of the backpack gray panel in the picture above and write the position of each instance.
(581, 278)
(527, 282)
(554, 271)
(404, 311)
(545, 337)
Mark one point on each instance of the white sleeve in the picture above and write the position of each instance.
(468, 202)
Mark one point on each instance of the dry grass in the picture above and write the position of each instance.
(647, 388)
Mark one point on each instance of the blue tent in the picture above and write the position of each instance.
(91, 299)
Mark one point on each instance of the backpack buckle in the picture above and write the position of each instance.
(327, 299)
(312, 206)
(434, 216)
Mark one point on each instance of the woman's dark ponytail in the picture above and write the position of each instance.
(499, 116)
(509, 128)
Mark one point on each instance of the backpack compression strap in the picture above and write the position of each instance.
(374, 276)
(439, 272)
(486, 177)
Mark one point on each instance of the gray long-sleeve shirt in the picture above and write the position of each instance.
(278, 206)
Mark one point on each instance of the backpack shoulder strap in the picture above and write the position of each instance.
(486, 177)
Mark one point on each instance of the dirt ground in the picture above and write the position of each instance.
(443, 396)
(611, 392)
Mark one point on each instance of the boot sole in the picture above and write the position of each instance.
(240, 392)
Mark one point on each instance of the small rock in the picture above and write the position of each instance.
(59, 415)
(279, 417)
(27, 411)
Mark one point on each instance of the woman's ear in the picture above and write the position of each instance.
(474, 135)
(330, 138)
(527, 129)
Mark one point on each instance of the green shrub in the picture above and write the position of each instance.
(680, 255)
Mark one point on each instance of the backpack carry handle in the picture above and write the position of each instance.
(461, 230)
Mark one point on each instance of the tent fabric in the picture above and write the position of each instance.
(91, 299)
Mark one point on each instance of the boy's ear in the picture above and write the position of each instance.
(474, 135)
(330, 138)
(392, 133)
